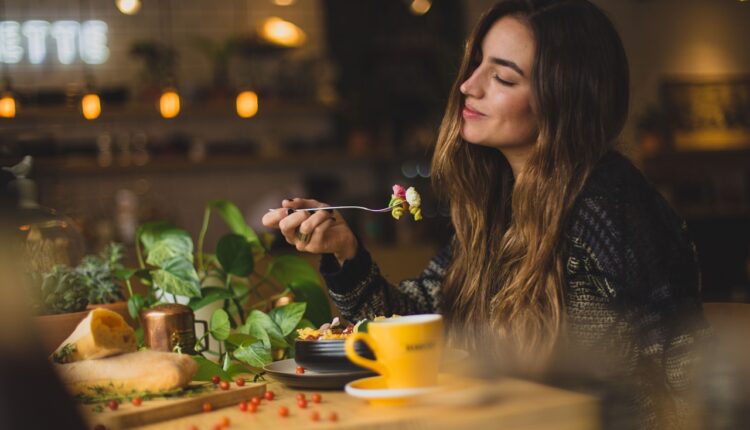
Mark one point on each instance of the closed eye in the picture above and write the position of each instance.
(502, 81)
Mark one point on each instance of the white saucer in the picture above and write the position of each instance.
(373, 389)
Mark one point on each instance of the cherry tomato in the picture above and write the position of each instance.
(225, 422)
(284, 411)
(137, 401)
(315, 416)
(252, 407)
(240, 382)
(255, 400)
(112, 404)
(333, 416)
(217, 427)
(302, 404)
(215, 379)
(269, 395)
(243, 406)
(317, 398)
(299, 370)
(224, 385)
(208, 407)
(301, 396)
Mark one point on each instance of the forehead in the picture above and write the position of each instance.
(510, 39)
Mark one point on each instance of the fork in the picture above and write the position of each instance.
(362, 208)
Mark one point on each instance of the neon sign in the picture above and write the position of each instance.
(87, 40)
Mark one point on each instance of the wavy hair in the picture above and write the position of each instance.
(508, 254)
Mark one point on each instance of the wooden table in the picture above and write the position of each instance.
(507, 403)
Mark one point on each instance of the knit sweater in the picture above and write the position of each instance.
(632, 293)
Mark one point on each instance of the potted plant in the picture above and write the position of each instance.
(241, 279)
(100, 274)
(59, 298)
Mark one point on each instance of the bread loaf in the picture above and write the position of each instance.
(142, 371)
(101, 334)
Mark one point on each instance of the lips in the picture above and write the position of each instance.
(471, 113)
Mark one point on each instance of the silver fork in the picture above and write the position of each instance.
(362, 208)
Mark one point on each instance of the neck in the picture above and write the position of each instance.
(516, 158)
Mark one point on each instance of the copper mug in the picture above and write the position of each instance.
(171, 327)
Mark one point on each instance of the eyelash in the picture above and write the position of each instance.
(502, 82)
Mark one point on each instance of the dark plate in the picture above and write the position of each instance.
(284, 371)
(328, 355)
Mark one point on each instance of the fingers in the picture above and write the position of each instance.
(309, 225)
(315, 240)
(273, 218)
(289, 224)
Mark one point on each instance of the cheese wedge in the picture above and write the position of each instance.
(142, 371)
(101, 334)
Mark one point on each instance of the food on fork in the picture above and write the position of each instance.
(403, 200)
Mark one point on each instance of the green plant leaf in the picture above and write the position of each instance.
(150, 233)
(240, 339)
(136, 302)
(208, 296)
(235, 255)
(318, 309)
(178, 276)
(256, 331)
(256, 354)
(305, 323)
(290, 269)
(219, 325)
(288, 316)
(238, 369)
(168, 248)
(259, 319)
(125, 274)
(236, 222)
(207, 369)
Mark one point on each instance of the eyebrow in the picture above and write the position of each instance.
(507, 63)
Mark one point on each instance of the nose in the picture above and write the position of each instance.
(472, 86)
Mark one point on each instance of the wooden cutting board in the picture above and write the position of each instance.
(152, 411)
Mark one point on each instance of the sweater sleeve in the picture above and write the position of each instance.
(359, 290)
(639, 261)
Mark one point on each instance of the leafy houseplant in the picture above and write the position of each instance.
(99, 274)
(58, 291)
(248, 338)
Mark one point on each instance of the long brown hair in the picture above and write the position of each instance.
(507, 266)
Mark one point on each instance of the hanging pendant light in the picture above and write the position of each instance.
(91, 106)
(247, 104)
(420, 7)
(169, 103)
(281, 32)
(7, 105)
(128, 7)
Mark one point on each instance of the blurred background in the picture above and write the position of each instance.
(137, 110)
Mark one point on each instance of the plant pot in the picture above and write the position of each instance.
(54, 329)
(120, 307)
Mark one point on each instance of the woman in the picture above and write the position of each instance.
(560, 244)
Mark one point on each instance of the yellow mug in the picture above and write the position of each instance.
(407, 349)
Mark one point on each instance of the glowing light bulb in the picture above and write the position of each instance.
(247, 104)
(7, 105)
(91, 106)
(283, 2)
(128, 7)
(281, 32)
(420, 7)
(169, 104)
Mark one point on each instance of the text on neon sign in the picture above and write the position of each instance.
(87, 39)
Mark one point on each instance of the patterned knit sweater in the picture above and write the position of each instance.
(632, 297)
